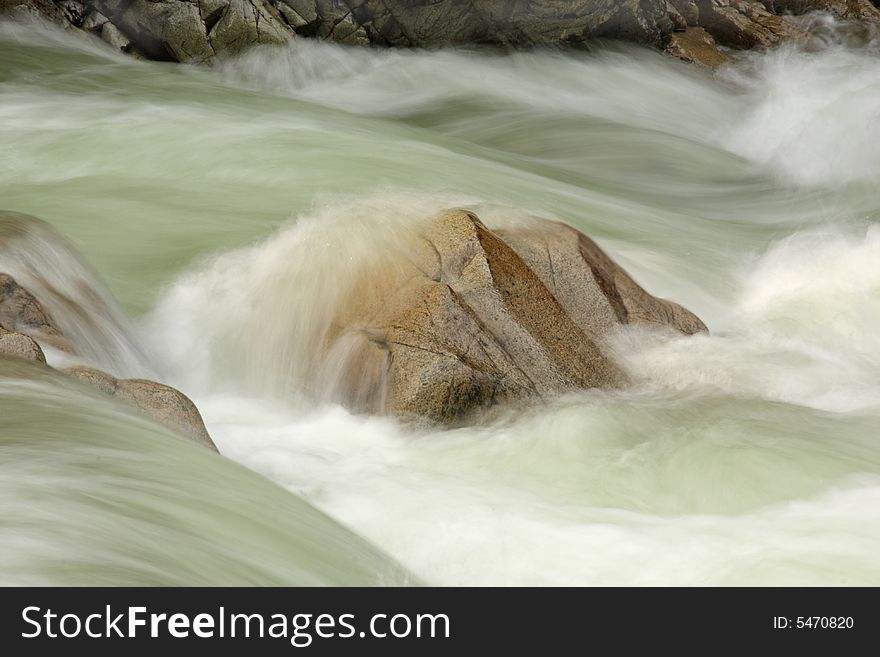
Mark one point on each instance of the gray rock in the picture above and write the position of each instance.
(34, 9)
(234, 25)
(195, 31)
(166, 30)
(745, 24)
(94, 21)
(298, 13)
(688, 10)
(500, 22)
(468, 317)
(113, 37)
(201, 30)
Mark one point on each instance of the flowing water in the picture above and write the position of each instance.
(228, 209)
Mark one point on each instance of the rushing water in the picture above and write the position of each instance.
(227, 209)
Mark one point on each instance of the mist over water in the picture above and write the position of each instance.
(229, 209)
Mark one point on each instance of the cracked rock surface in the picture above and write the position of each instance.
(472, 317)
(200, 31)
(191, 31)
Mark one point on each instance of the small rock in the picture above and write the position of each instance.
(161, 403)
(20, 346)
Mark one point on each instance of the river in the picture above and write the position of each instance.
(223, 208)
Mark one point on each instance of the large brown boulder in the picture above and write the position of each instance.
(468, 317)
(203, 30)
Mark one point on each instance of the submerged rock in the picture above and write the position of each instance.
(469, 317)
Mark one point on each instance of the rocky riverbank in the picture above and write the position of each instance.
(200, 31)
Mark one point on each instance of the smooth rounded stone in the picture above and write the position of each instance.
(161, 403)
(94, 377)
(20, 346)
(22, 313)
(467, 317)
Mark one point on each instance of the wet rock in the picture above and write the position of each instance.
(194, 31)
(470, 317)
(745, 24)
(94, 21)
(161, 403)
(20, 346)
(20, 312)
(688, 10)
(203, 30)
(695, 45)
(26, 328)
(458, 22)
(111, 35)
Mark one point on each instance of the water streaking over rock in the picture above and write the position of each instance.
(228, 210)
(92, 496)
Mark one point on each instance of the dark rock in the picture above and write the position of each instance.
(695, 45)
(202, 30)
(20, 312)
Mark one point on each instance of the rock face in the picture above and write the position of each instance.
(471, 317)
(695, 44)
(162, 403)
(429, 23)
(24, 324)
(201, 30)
(193, 31)
(525, 23)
